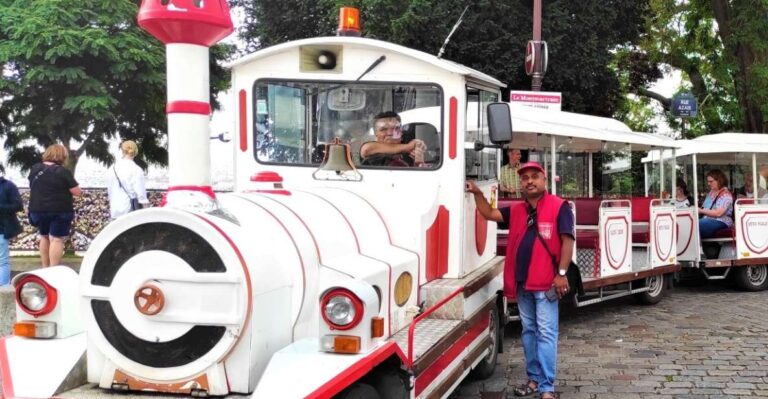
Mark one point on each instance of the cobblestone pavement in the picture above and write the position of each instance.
(699, 342)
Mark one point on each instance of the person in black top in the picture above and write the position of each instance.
(388, 149)
(51, 209)
(10, 203)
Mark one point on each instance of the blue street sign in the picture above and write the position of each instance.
(684, 105)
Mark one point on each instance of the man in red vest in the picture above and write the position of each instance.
(539, 250)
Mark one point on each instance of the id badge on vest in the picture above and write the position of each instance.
(546, 229)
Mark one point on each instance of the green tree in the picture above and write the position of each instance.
(80, 73)
(582, 36)
(719, 46)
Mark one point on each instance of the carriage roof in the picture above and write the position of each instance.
(584, 132)
(725, 143)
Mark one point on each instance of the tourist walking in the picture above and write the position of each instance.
(51, 206)
(126, 183)
(10, 204)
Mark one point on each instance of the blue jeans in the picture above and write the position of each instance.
(708, 227)
(5, 264)
(539, 317)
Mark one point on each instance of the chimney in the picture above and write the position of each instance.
(188, 28)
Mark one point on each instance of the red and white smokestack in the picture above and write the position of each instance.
(188, 28)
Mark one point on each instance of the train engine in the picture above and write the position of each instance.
(320, 275)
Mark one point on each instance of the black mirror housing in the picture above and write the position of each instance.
(499, 123)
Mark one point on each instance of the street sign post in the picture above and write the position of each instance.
(684, 105)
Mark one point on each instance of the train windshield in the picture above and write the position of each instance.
(295, 119)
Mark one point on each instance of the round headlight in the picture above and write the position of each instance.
(341, 309)
(35, 296)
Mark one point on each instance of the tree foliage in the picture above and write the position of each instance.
(720, 48)
(581, 36)
(81, 73)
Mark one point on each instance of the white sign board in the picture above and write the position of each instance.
(538, 99)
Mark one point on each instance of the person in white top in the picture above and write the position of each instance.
(126, 181)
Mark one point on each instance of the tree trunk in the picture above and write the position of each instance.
(744, 59)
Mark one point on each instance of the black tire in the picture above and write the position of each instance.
(487, 365)
(358, 390)
(390, 385)
(751, 278)
(658, 286)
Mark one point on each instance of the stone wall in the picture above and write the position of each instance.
(91, 215)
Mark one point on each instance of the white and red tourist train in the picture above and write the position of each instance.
(321, 275)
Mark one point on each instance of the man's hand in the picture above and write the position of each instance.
(472, 188)
(561, 285)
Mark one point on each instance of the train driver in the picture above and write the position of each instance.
(388, 149)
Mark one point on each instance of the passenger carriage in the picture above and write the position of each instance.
(624, 236)
(741, 251)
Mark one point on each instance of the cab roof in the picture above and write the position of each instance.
(362, 42)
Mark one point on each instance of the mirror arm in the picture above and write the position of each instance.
(479, 146)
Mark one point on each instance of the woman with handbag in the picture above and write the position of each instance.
(126, 183)
(51, 207)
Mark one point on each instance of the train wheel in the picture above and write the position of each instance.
(486, 367)
(656, 287)
(359, 391)
(751, 278)
(390, 384)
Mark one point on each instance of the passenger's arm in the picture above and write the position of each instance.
(76, 191)
(482, 204)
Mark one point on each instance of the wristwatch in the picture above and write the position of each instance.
(561, 272)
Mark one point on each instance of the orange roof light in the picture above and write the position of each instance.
(349, 22)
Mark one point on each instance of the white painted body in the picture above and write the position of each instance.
(615, 238)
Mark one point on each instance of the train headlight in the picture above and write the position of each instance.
(35, 296)
(341, 309)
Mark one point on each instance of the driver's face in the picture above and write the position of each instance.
(388, 130)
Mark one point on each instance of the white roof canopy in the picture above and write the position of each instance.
(586, 133)
(725, 143)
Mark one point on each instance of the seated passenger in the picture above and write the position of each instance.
(388, 150)
(682, 198)
(748, 190)
(717, 209)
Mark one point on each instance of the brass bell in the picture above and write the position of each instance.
(337, 163)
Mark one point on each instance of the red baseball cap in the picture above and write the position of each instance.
(531, 165)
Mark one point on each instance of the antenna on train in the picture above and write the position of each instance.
(455, 26)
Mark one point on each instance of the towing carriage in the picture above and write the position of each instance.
(739, 252)
(319, 276)
(624, 240)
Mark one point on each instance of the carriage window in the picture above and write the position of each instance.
(294, 121)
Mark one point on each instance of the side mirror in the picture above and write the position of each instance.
(499, 123)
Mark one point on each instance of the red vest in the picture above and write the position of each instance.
(541, 271)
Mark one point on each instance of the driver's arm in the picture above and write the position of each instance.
(373, 148)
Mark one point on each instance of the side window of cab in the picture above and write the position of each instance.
(479, 164)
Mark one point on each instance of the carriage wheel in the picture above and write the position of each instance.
(656, 288)
(752, 278)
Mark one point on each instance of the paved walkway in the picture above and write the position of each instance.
(699, 342)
